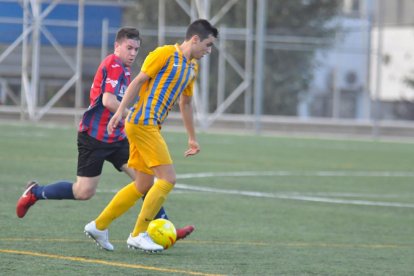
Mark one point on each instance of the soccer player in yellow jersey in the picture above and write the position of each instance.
(167, 75)
(95, 145)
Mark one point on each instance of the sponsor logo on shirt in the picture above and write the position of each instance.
(113, 83)
(115, 65)
(122, 91)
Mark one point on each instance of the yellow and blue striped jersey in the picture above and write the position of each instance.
(170, 75)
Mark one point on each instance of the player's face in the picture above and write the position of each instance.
(202, 47)
(127, 50)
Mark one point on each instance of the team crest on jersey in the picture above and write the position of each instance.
(113, 83)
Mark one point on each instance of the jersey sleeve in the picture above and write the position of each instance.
(188, 91)
(155, 60)
(113, 72)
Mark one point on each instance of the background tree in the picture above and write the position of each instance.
(288, 72)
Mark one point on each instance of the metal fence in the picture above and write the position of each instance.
(357, 81)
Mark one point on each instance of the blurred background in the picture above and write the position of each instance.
(318, 67)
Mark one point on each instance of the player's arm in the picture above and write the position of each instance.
(186, 109)
(110, 102)
(129, 96)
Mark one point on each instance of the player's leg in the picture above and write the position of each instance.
(145, 144)
(91, 157)
(155, 196)
(141, 240)
(131, 173)
(182, 232)
(84, 188)
(151, 157)
(119, 160)
(34, 192)
(123, 200)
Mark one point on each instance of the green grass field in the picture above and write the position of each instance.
(261, 205)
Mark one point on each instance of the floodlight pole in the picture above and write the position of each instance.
(36, 8)
(161, 22)
(221, 81)
(377, 94)
(79, 47)
(204, 12)
(364, 106)
(105, 38)
(259, 64)
(248, 57)
(25, 62)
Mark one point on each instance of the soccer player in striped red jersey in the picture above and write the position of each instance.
(112, 77)
(95, 143)
(167, 75)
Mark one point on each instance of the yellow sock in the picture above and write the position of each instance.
(120, 203)
(152, 204)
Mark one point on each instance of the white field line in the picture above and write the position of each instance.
(316, 197)
(294, 197)
(298, 173)
(333, 194)
(298, 196)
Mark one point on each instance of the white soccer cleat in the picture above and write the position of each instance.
(143, 242)
(101, 237)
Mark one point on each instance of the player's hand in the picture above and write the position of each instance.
(113, 123)
(193, 148)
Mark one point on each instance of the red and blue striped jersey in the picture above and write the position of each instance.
(171, 74)
(113, 77)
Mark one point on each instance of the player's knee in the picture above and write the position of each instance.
(166, 172)
(84, 194)
(171, 179)
(85, 188)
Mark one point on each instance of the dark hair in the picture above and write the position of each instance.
(127, 33)
(202, 28)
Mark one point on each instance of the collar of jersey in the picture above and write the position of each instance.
(177, 47)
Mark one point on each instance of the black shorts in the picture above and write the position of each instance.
(92, 153)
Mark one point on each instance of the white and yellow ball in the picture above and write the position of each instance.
(162, 232)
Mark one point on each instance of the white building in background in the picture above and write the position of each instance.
(339, 87)
(393, 51)
(369, 61)
(396, 64)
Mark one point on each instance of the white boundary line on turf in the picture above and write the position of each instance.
(294, 197)
(298, 173)
(297, 196)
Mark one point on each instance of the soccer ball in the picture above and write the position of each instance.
(162, 232)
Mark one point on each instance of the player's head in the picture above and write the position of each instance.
(202, 35)
(127, 43)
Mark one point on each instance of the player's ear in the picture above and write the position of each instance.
(116, 44)
(195, 39)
